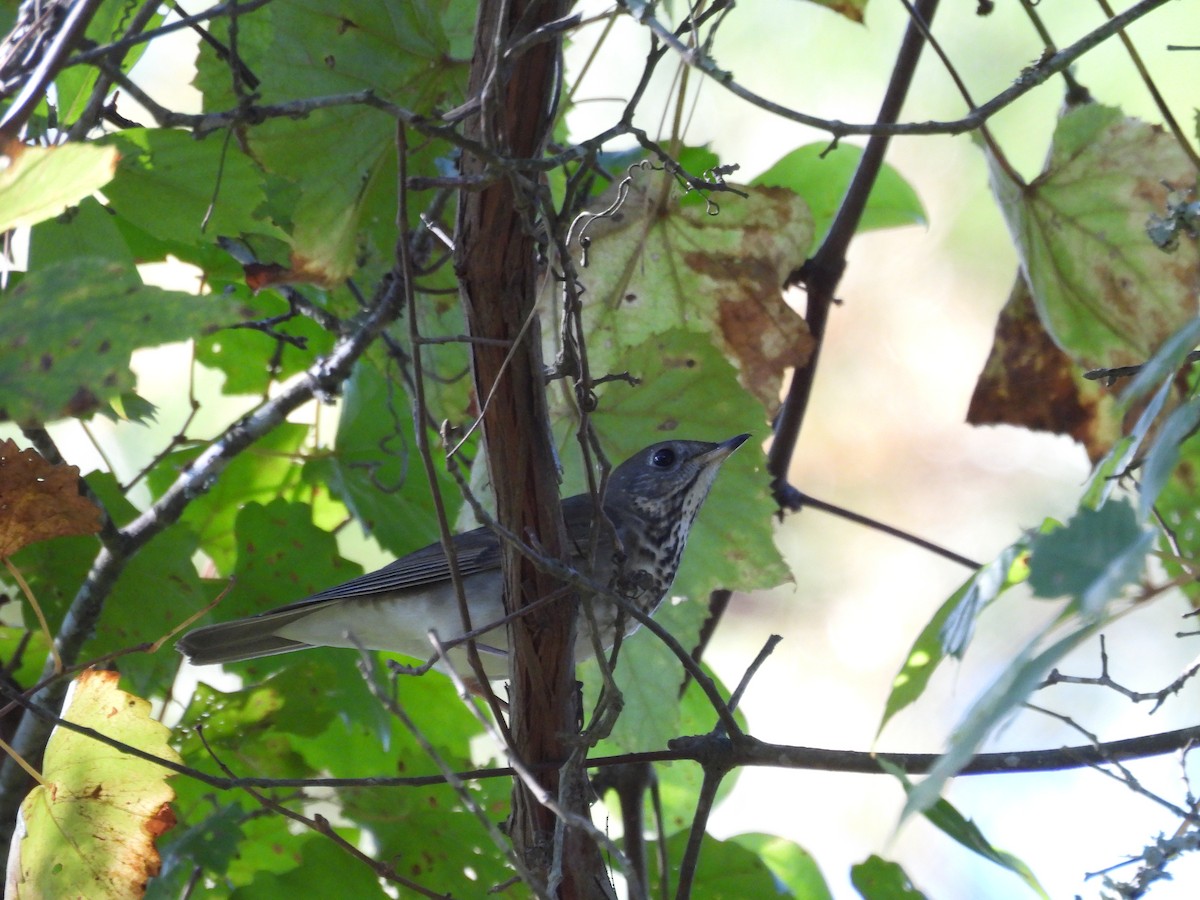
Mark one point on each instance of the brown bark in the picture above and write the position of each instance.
(496, 262)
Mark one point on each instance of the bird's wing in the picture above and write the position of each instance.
(477, 551)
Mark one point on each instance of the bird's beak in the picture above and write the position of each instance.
(720, 453)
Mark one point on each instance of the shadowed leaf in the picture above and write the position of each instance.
(67, 332)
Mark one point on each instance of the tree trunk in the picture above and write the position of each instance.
(496, 261)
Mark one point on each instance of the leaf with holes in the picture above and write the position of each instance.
(1105, 293)
(657, 265)
(39, 500)
(67, 333)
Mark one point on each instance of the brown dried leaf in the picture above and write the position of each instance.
(39, 501)
(1030, 382)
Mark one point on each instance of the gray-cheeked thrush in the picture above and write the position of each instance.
(651, 500)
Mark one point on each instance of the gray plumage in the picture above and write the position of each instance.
(651, 499)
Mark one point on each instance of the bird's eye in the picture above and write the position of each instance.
(663, 458)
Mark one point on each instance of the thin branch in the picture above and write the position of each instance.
(322, 379)
(321, 825)
(74, 22)
(704, 749)
(404, 274)
(1106, 681)
(1029, 78)
(796, 499)
(1163, 109)
(119, 47)
(1122, 774)
(824, 271)
(713, 776)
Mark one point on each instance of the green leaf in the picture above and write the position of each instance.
(32, 645)
(1176, 504)
(1115, 464)
(1020, 679)
(679, 782)
(821, 176)
(155, 593)
(266, 471)
(657, 267)
(949, 631)
(324, 870)
(1106, 294)
(726, 870)
(732, 544)
(40, 182)
(792, 865)
(343, 159)
(210, 844)
(1092, 558)
(879, 879)
(185, 190)
(428, 830)
(67, 333)
(253, 360)
(442, 844)
(90, 829)
(1164, 453)
(648, 675)
(1164, 363)
(951, 822)
(281, 557)
(375, 468)
(88, 229)
(243, 730)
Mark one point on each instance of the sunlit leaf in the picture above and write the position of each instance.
(950, 629)
(726, 870)
(790, 863)
(187, 190)
(876, 878)
(323, 870)
(37, 183)
(91, 829)
(821, 176)
(951, 822)
(1105, 292)
(268, 470)
(343, 158)
(655, 266)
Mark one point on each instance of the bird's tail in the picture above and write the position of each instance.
(243, 639)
